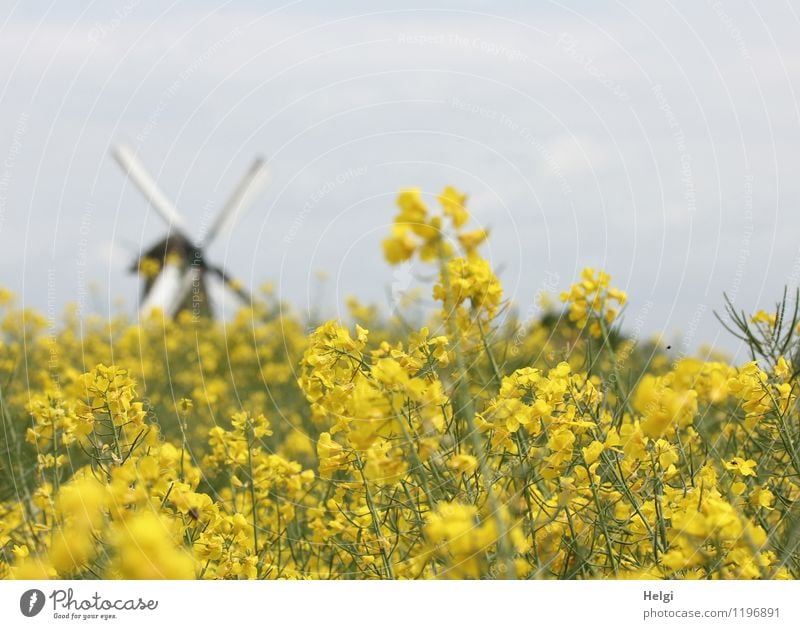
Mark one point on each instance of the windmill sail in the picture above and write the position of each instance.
(157, 199)
(163, 289)
(247, 189)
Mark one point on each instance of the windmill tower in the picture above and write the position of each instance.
(176, 273)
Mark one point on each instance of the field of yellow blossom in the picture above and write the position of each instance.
(475, 446)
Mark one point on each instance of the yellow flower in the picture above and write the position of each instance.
(146, 549)
(471, 240)
(463, 464)
(331, 455)
(782, 368)
(469, 280)
(453, 203)
(592, 452)
(762, 316)
(762, 497)
(592, 302)
(665, 452)
(459, 537)
(149, 267)
(740, 466)
(70, 550)
(400, 247)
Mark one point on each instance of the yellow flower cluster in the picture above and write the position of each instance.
(470, 280)
(473, 446)
(417, 229)
(590, 301)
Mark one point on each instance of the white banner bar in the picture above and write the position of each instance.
(342, 604)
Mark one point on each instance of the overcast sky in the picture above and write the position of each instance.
(656, 140)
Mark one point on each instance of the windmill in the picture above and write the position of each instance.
(175, 270)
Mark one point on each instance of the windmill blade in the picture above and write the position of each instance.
(157, 199)
(248, 188)
(231, 284)
(162, 293)
(192, 277)
(218, 297)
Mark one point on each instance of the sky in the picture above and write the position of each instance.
(655, 140)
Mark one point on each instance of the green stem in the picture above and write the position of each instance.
(253, 504)
(376, 523)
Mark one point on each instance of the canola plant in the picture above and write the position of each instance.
(473, 446)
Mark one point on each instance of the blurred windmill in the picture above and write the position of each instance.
(176, 273)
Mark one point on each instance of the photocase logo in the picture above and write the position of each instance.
(31, 603)
(67, 605)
